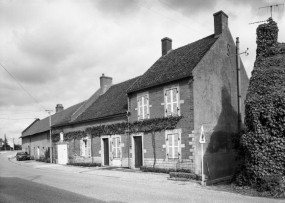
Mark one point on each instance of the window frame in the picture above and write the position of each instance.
(172, 103)
(87, 150)
(179, 145)
(147, 116)
(116, 149)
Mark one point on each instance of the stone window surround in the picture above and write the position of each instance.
(179, 101)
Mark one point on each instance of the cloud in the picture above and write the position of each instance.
(115, 8)
(196, 6)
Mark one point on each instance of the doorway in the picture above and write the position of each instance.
(138, 151)
(62, 154)
(106, 151)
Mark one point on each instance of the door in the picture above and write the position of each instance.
(138, 151)
(62, 154)
(106, 151)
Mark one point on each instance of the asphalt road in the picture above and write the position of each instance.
(29, 181)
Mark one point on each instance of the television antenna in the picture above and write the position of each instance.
(271, 6)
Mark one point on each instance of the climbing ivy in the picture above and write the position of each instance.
(263, 142)
(149, 125)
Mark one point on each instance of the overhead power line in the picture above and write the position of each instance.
(22, 86)
(165, 16)
(184, 14)
(16, 118)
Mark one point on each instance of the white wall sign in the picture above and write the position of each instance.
(202, 139)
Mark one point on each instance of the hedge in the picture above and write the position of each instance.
(163, 170)
(85, 164)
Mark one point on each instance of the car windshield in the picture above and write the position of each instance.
(22, 153)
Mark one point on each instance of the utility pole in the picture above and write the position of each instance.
(5, 142)
(238, 83)
(50, 142)
(238, 80)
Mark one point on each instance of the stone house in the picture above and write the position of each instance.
(107, 108)
(36, 137)
(198, 82)
(156, 119)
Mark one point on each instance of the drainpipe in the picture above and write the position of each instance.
(238, 83)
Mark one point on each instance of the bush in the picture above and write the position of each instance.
(163, 170)
(184, 175)
(274, 184)
(43, 159)
(85, 164)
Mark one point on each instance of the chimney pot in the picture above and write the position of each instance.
(105, 81)
(220, 22)
(59, 108)
(166, 45)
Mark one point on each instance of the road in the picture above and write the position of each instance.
(30, 181)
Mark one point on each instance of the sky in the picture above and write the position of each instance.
(57, 49)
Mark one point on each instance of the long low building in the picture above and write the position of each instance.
(159, 119)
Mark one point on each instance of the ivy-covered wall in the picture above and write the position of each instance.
(262, 146)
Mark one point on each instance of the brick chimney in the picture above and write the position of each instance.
(105, 81)
(166, 45)
(59, 108)
(220, 22)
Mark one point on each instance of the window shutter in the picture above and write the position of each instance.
(168, 102)
(144, 107)
(175, 145)
(114, 147)
(89, 147)
(82, 148)
(147, 104)
(175, 101)
(140, 108)
(170, 146)
(119, 148)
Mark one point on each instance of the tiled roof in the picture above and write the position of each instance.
(113, 102)
(177, 64)
(43, 125)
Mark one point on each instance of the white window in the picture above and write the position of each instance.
(172, 102)
(85, 147)
(116, 147)
(173, 146)
(143, 107)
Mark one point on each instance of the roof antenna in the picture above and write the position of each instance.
(272, 6)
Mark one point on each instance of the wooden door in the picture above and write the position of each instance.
(138, 151)
(106, 151)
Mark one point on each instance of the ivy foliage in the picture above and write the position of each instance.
(149, 125)
(262, 145)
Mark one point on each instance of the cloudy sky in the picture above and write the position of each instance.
(58, 49)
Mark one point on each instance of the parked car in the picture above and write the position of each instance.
(22, 156)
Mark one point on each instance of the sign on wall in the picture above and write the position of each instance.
(202, 139)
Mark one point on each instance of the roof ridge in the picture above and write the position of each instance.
(177, 64)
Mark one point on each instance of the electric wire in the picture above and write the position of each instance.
(16, 118)
(184, 14)
(164, 16)
(21, 86)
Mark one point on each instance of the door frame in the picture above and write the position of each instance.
(133, 149)
(102, 149)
